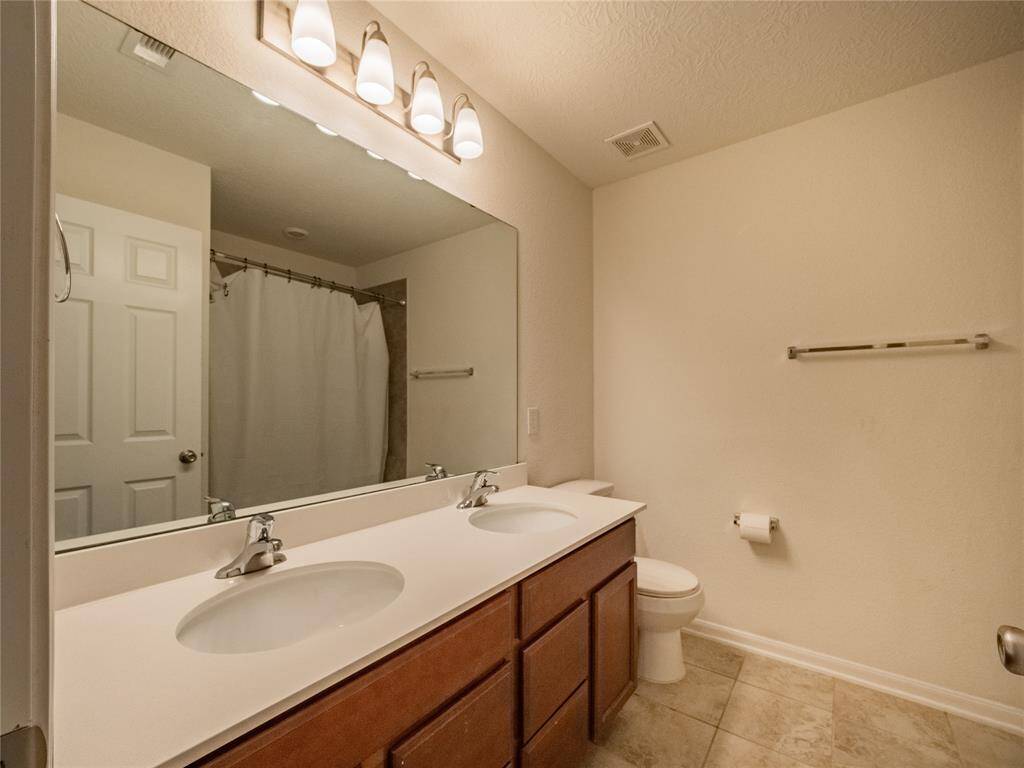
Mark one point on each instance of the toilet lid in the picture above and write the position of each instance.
(660, 579)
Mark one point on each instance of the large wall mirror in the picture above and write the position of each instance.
(261, 312)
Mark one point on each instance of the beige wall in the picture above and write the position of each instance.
(107, 168)
(897, 477)
(515, 180)
(461, 312)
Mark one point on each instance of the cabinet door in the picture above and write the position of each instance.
(613, 673)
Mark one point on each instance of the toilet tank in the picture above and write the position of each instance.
(589, 487)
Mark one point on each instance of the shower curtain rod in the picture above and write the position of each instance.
(301, 277)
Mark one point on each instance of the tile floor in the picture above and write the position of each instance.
(736, 710)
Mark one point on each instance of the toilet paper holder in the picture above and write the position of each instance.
(773, 524)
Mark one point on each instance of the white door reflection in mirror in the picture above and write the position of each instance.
(128, 375)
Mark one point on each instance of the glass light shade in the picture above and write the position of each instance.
(375, 79)
(313, 33)
(427, 110)
(467, 138)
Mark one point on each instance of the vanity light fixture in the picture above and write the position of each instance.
(313, 33)
(467, 137)
(265, 99)
(375, 76)
(426, 110)
(324, 130)
(374, 155)
(295, 27)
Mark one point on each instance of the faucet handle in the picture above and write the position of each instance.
(219, 510)
(261, 527)
(481, 476)
(437, 471)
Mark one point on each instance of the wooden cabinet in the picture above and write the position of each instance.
(549, 593)
(562, 742)
(349, 724)
(522, 679)
(475, 732)
(554, 665)
(615, 647)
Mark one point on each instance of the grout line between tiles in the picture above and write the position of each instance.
(956, 744)
(790, 698)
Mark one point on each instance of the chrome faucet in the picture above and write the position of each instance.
(261, 549)
(479, 490)
(219, 510)
(437, 472)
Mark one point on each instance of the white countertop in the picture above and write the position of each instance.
(127, 694)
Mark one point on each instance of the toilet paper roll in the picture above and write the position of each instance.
(756, 528)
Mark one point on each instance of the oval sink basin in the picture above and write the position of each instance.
(521, 518)
(278, 609)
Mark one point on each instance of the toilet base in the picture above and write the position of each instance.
(661, 656)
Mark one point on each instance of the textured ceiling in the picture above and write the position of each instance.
(571, 74)
(271, 168)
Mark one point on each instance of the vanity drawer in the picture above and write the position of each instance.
(554, 665)
(552, 591)
(475, 732)
(361, 717)
(562, 742)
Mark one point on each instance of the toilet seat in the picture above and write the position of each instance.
(657, 578)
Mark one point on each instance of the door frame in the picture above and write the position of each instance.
(26, 90)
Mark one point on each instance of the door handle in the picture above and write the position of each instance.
(188, 457)
(1010, 644)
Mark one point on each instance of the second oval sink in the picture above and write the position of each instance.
(521, 518)
(275, 610)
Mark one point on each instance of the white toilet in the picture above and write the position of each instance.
(668, 598)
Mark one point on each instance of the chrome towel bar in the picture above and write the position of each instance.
(439, 373)
(978, 341)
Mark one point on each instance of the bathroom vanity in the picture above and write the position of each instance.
(535, 670)
(524, 639)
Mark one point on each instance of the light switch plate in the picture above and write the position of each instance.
(532, 420)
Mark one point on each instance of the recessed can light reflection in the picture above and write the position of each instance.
(324, 130)
(265, 99)
(374, 155)
(414, 176)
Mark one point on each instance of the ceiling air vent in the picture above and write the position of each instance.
(639, 141)
(148, 50)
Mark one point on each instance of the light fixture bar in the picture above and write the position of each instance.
(274, 20)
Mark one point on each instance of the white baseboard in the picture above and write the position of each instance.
(965, 705)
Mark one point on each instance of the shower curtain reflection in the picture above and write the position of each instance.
(298, 391)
